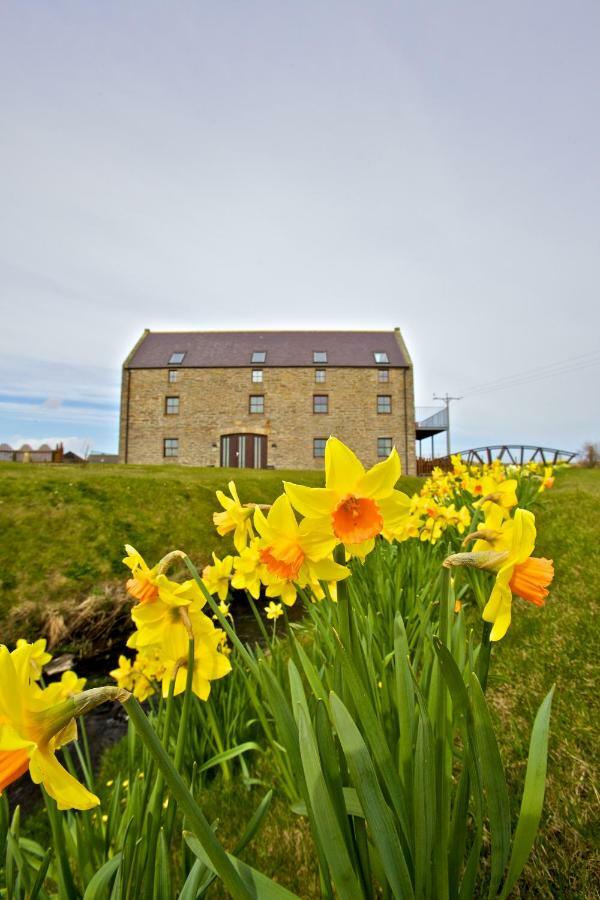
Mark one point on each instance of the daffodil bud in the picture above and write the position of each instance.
(489, 560)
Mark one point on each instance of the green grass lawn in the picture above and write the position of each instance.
(559, 644)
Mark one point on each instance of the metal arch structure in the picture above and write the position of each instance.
(517, 454)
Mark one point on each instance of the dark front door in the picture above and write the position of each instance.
(244, 451)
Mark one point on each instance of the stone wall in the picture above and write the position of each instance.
(213, 402)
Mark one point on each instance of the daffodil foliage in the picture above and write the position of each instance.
(372, 708)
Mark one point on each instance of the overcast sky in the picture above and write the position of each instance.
(313, 165)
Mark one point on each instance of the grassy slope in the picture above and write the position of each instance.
(560, 645)
(100, 507)
(63, 527)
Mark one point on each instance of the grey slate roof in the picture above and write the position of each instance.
(225, 349)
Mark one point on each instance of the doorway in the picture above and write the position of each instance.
(244, 451)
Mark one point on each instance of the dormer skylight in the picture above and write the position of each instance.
(381, 358)
(176, 358)
(259, 356)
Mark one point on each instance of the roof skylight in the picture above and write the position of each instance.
(381, 358)
(259, 356)
(176, 358)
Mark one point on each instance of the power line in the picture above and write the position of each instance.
(533, 378)
(555, 367)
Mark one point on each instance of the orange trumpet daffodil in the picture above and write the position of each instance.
(33, 726)
(355, 505)
(293, 552)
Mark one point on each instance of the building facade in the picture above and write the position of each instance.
(266, 399)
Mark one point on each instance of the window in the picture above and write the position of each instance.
(172, 376)
(171, 447)
(172, 406)
(320, 403)
(319, 356)
(383, 375)
(320, 375)
(384, 403)
(381, 358)
(257, 376)
(257, 403)
(384, 447)
(319, 447)
(259, 356)
(176, 358)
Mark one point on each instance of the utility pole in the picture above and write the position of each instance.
(447, 400)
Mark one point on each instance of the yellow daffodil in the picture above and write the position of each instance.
(236, 518)
(68, 686)
(142, 584)
(273, 610)
(33, 727)
(37, 657)
(503, 494)
(217, 577)
(210, 662)
(354, 505)
(165, 625)
(518, 572)
(295, 552)
(547, 479)
(248, 569)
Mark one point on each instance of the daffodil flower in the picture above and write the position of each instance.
(210, 662)
(273, 610)
(68, 686)
(518, 572)
(33, 727)
(38, 656)
(295, 552)
(236, 518)
(217, 577)
(248, 569)
(355, 506)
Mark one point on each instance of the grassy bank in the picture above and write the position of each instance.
(63, 527)
(560, 645)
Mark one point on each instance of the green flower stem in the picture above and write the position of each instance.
(65, 879)
(485, 652)
(194, 815)
(441, 749)
(182, 732)
(223, 622)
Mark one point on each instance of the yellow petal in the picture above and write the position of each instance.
(314, 502)
(281, 518)
(316, 538)
(343, 469)
(44, 768)
(379, 481)
(523, 536)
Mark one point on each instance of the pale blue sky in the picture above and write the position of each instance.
(285, 164)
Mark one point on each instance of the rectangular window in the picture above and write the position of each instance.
(383, 375)
(320, 376)
(384, 403)
(172, 406)
(259, 356)
(172, 376)
(176, 358)
(171, 447)
(257, 376)
(381, 358)
(320, 403)
(384, 447)
(319, 447)
(257, 403)
(319, 356)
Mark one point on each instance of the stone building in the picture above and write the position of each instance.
(266, 399)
